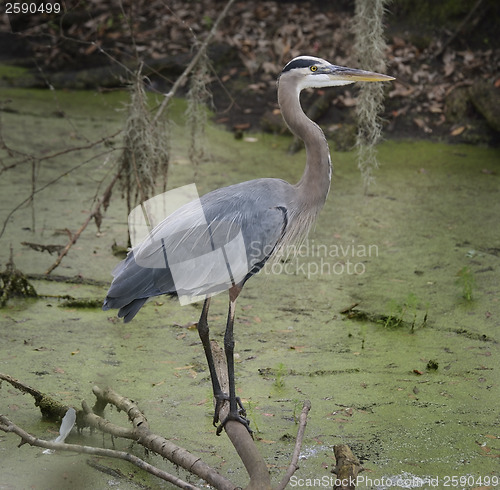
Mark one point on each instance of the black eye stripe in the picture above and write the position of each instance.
(300, 63)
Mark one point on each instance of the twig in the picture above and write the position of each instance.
(459, 29)
(53, 181)
(28, 157)
(69, 280)
(90, 419)
(180, 81)
(93, 214)
(7, 426)
(292, 468)
(141, 433)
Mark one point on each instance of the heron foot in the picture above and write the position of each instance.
(238, 415)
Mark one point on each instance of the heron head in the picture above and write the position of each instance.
(311, 72)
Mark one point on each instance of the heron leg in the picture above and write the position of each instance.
(204, 333)
(236, 410)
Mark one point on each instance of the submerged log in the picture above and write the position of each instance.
(346, 469)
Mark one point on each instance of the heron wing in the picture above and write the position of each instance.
(202, 249)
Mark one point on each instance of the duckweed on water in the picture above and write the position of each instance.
(431, 204)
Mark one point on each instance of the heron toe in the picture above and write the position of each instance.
(237, 417)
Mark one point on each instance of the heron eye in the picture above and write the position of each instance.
(313, 68)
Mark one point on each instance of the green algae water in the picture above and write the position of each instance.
(410, 382)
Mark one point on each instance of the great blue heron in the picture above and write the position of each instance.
(267, 214)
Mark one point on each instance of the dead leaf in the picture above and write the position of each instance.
(458, 131)
(436, 109)
(189, 325)
(241, 126)
(422, 124)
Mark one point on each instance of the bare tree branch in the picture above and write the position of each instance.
(141, 433)
(53, 181)
(49, 407)
(180, 81)
(238, 434)
(7, 426)
(242, 441)
(292, 468)
(95, 213)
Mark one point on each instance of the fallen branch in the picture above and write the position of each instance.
(40, 247)
(69, 280)
(141, 433)
(158, 444)
(50, 408)
(7, 426)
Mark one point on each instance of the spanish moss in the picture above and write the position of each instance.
(145, 155)
(198, 99)
(370, 47)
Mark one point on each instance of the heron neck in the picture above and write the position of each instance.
(314, 185)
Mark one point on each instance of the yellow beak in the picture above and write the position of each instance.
(353, 75)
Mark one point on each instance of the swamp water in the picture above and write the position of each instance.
(411, 383)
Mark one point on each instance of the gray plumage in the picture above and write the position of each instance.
(260, 216)
(263, 222)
